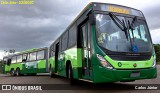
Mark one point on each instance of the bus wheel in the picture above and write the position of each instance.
(51, 72)
(12, 72)
(70, 75)
(17, 72)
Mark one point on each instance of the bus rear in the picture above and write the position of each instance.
(122, 44)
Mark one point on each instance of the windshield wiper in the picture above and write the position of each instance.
(134, 20)
(130, 25)
(120, 24)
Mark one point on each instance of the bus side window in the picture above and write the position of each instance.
(52, 51)
(72, 36)
(5, 61)
(19, 58)
(40, 55)
(32, 56)
(24, 59)
(14, 59)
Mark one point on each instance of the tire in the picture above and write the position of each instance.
(18, 72)
(51, 72)
(12, 72)
(70, 75)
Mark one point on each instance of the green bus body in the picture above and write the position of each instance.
(30, 67)
(122, 66)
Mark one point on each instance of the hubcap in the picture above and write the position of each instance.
(17, 73)
(50, 71)
(12, 72)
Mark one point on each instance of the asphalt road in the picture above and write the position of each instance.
(81, 87)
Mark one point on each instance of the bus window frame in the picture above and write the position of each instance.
(28, 55)
(16, 59)
(43, 56)
(21, 56)
(62, 37)
(52, 50)
(71, 28)
(5, 62)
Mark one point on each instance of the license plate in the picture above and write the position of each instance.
(135, 74)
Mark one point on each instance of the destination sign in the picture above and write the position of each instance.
(118, 10)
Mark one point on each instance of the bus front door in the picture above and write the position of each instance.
(86, 50)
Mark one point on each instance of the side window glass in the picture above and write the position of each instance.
(19, 58)
(40, 55)
(32, 56)
(13, 59)
(24, 57)
(52, 50)
(143, 33)
(65, 40)
(5, 60)
(72, 36)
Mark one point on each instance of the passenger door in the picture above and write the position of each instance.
(56, 57)
(86, 50)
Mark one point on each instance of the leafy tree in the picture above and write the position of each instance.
(157, 51)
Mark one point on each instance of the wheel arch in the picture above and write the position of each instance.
(11, 69)
(18, 68)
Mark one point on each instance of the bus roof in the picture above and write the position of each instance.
(33, 49)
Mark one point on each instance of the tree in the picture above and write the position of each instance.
(157, 51)
(10, 51)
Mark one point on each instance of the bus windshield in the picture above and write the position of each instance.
(114, 38)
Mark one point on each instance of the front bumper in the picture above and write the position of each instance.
(103, 75)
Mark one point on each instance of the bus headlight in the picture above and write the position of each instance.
(103, 62)
(154, 63)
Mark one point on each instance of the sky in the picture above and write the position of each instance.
(32, 26)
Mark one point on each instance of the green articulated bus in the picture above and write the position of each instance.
(105, 43)
(28, 62)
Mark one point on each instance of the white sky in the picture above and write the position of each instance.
(1, 54)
